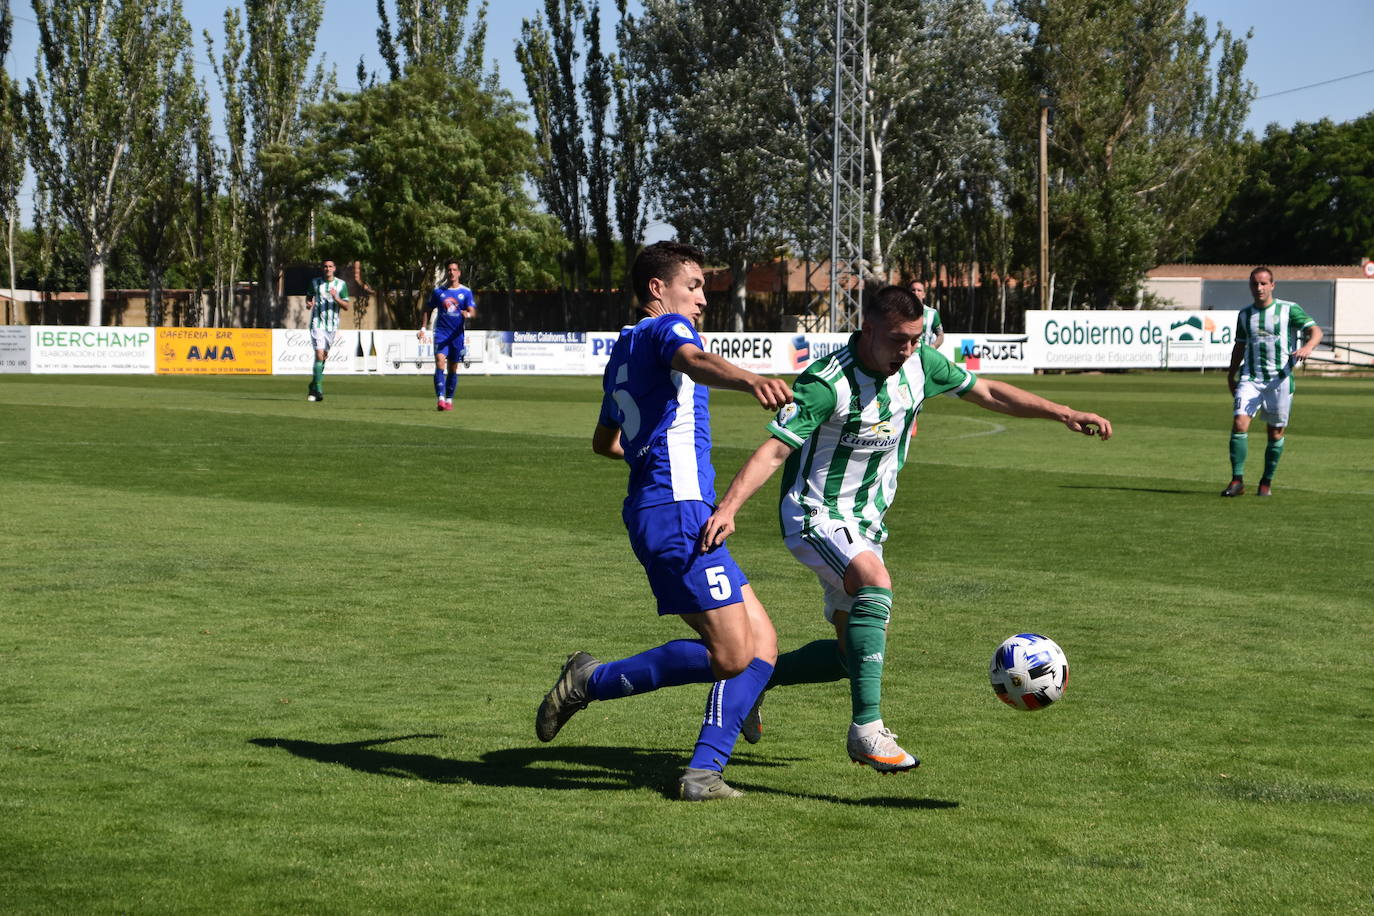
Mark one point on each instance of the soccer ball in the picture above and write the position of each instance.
(1029, 671)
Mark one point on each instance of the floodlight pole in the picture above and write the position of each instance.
(847, 174)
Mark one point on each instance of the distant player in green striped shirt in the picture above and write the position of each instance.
(843, 442)
(935, 328)
(1261, 374)
(327, 295)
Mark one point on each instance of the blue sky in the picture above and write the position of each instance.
(1294, 46)
(1308, 61)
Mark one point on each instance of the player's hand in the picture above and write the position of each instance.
(420, 335)
(772, 393)
(1090, 424)
(717, 528)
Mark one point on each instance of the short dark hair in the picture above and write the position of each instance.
(662, 261)
(1262, 270)
(453, 261)
(898, 301)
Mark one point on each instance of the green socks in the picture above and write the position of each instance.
(866, 638)
(1272, 453)
(817, 662)
(1240, 447)
(319, 373)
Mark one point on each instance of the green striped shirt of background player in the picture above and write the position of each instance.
(1266, 350)
(879, 352)
(935, 328)
(327, 295)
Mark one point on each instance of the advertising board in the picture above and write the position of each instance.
(214, 351)
(91, 350)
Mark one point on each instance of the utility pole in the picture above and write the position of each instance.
(1043, 281)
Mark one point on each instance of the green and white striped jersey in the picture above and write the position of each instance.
(324, 316)
(850, 430)
(933, 325)
(1270, 336)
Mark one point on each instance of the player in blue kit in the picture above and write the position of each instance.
(450, 307)
(655, 416)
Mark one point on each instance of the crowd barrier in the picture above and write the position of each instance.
(1053, 340)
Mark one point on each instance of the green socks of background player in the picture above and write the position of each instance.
(319, 373)
(865, 642)
(1240, 447)
(1272, 453)
(817, 662)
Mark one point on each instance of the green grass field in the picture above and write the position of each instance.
(259, 655)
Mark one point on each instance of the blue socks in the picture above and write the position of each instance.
(451, 382)
(729, 702)
(682, 661)
(438, 382)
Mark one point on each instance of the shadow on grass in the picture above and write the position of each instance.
(597, 768)
(1084, 486)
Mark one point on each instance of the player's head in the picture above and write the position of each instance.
(453, 269)
(918, 289)
(669, 274)
(893, 321)
(1262, 284)
(327, 265)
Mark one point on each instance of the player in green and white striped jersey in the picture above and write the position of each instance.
(327, 295)
(1261, 374)
(935, 328)
(843, 442)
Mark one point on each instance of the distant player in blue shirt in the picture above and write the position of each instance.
(654, 415)
(446, 311)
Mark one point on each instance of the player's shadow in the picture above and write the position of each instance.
(596, 768)
(1166, 492)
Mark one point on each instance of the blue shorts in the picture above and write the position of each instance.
(684, 580)
(450, 348)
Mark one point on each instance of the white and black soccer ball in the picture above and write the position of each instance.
(1029, 671)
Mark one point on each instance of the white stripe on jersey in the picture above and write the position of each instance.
(682, 441)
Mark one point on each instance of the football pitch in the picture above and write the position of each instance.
(259, 655)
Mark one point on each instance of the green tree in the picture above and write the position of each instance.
(154, 231)
(432, 33)
(1307, 198)
(98, 127)
(631, 146)
(227, 213)
(709, 70)
(1143, 153)
(548, 55)
(430, 167)
(11, 147)
(276, 85)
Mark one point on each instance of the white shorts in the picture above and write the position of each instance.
(321, 339)
(1271, 400)
(828, 549)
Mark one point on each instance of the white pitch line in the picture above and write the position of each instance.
(996, 428)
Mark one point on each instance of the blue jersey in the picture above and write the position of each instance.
(450, 303)
(664, 422)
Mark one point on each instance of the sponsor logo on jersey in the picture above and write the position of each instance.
(880, 437)
(786, 414)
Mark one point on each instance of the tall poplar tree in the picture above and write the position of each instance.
(11, 148)
(99, 131)
(1148, 103)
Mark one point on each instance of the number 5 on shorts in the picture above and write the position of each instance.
(719, 582)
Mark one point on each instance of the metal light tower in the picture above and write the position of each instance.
(847, 199)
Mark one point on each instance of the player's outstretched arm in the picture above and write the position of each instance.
(1017, 402)
(716, 372)
(766, 459)
(606, 442)
(1314, 337)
